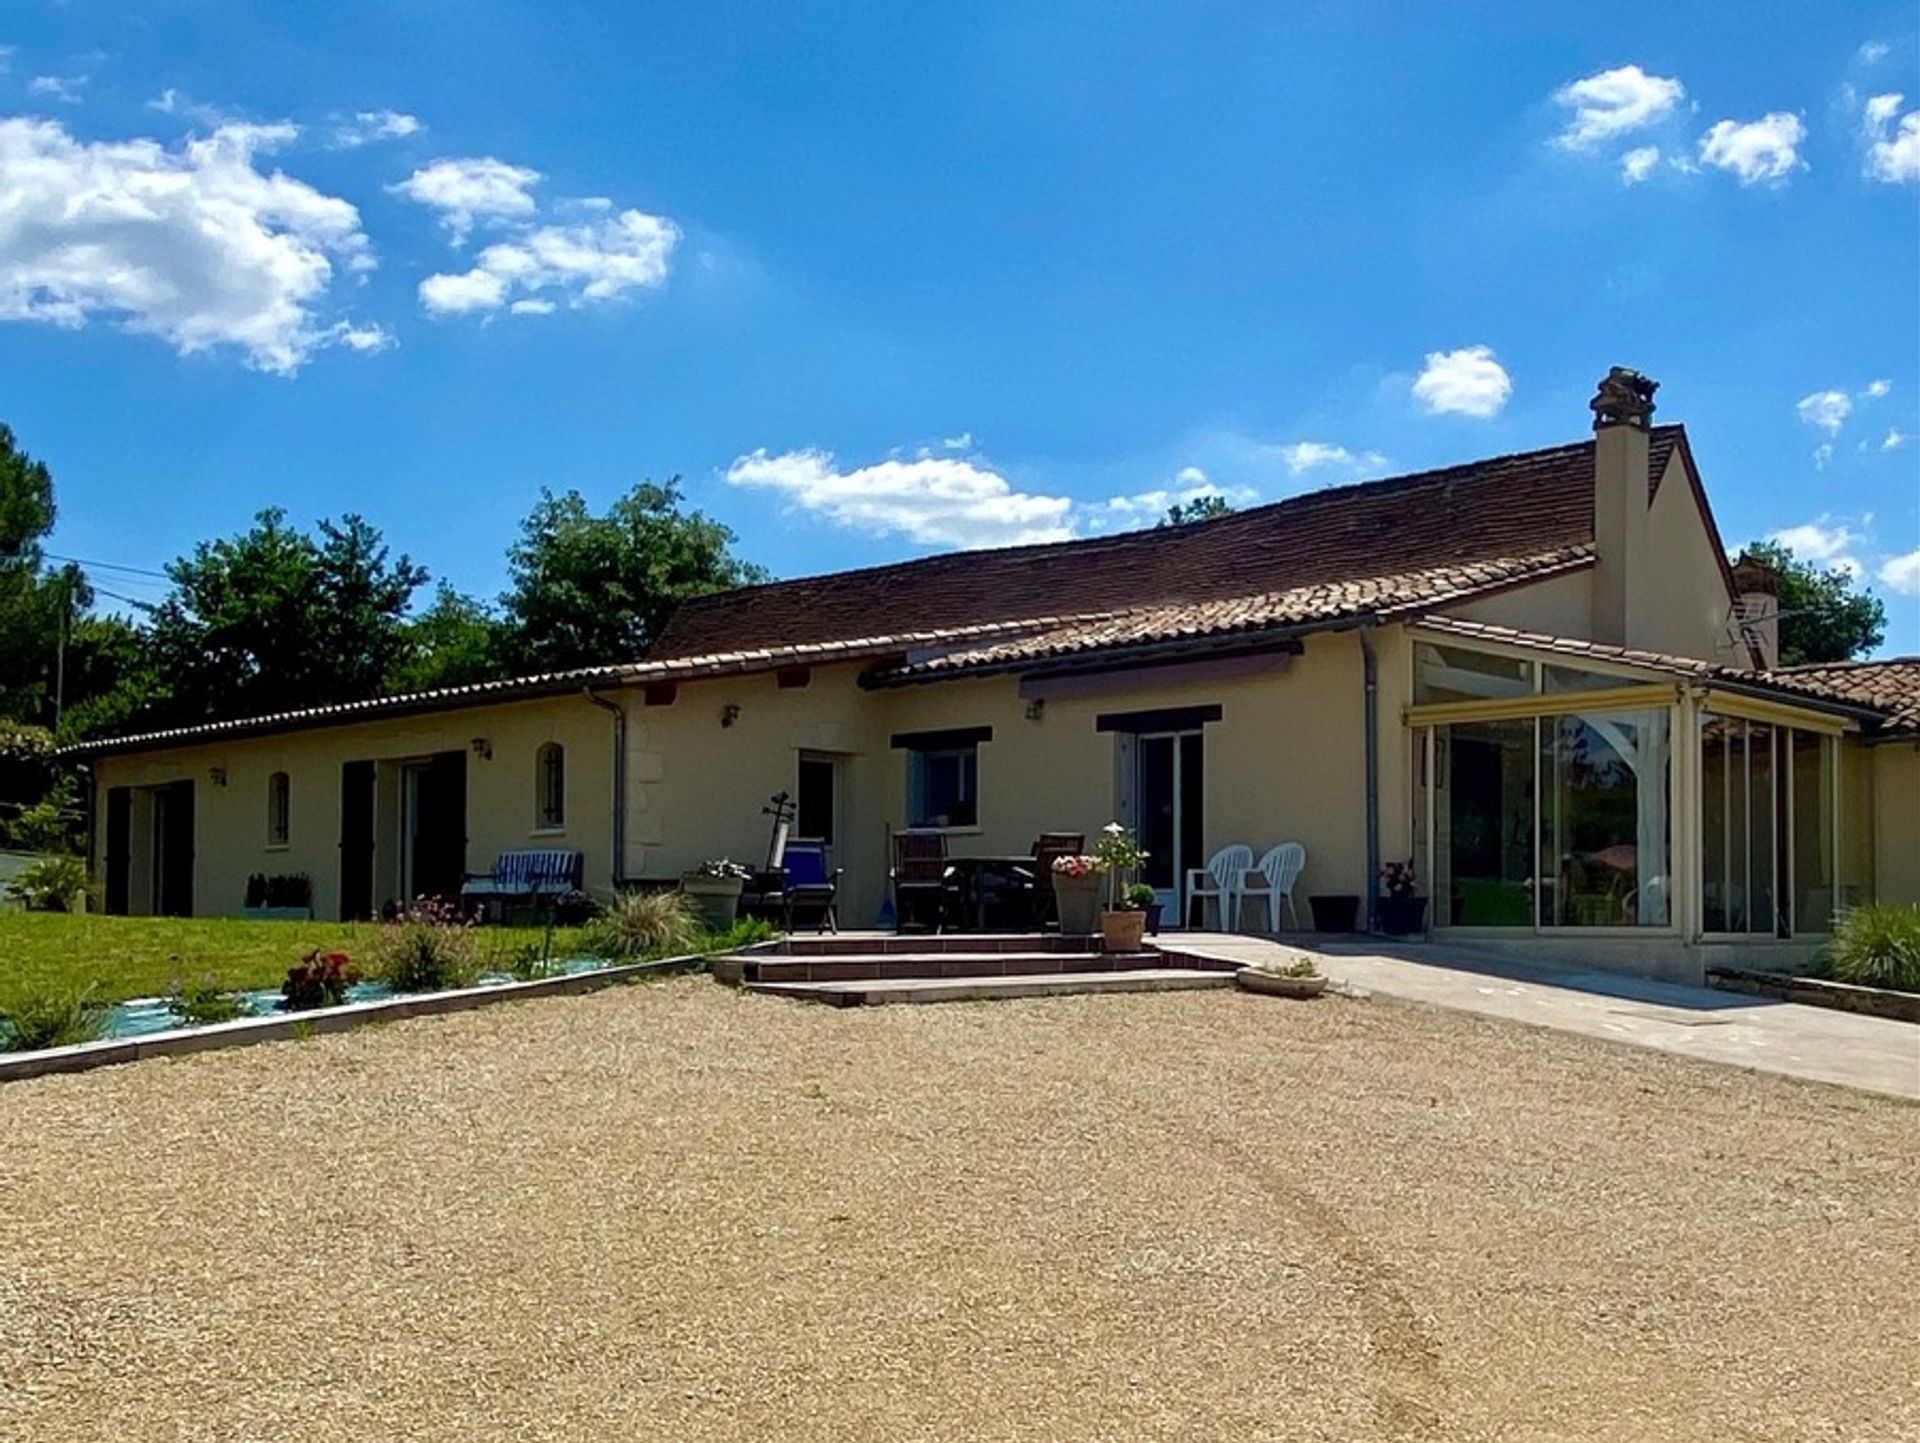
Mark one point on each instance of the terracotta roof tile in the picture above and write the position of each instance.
(1510, 506)
(1301, 606)
(1892, 686)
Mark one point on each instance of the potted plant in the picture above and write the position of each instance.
(714, 889)
(1298, 978)
(1403, 910)
(1124, 920)
(1076, 890)
(1140, 895)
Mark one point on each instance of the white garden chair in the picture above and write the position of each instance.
(1220, 882)
(1279, 870)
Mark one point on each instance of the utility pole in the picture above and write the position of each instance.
(60, 648)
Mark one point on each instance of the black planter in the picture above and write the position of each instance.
(1153, 918)
(1402, 916)
(1335, 913)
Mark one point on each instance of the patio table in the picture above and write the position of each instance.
(980, 880)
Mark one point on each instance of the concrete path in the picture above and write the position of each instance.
(1817, 1043)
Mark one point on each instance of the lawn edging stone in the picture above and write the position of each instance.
(280, 1026)
(1819, 992)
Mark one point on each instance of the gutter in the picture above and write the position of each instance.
(1370, 708)
(619, 782)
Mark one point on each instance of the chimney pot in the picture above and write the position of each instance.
(1623, 398)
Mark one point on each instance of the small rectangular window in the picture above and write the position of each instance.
(943, 786)
(279, 809)
(551, 782)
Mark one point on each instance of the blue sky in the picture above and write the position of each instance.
(882, 280)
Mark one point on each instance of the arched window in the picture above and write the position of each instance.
(279, 809)
(550, 785)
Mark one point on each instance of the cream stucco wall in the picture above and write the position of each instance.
(1558, 606)
(1284, 762)
(1689, 613)
(1896, 822)
(230, 819)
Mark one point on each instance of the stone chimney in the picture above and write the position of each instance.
(1622, 414)
(1756, 607)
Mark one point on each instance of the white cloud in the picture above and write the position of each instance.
(1902, 573)
(595, 261)
(1822, 454)
(962, 442)
(1304, 456)
(193, 244)
(1756, 150)
(1190, 483)
(1872, 52)
(1893, 154)
(1876, 389)
(934, 500)
(533, 308)
(1826, 409)
(368, 126)
(1466, 382)
(1895, 439)
(63, 88)
(1824, 541)
(1637, 164)
(470, 189)
(1615, 102)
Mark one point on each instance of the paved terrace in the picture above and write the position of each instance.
(1815, 1043)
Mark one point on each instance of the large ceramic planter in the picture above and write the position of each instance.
(1402, 916)
(1079, 901)
(1272, 984)
(1121, 931)
(715, 899)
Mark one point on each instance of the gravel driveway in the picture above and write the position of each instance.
(676, 1212)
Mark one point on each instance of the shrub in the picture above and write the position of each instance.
(199, 1003)
(1877, 946)
(321, 979)
(530, 962)
(644, 924)
(745, 932)
(51, 884)
(53, 1019)
(427, 947)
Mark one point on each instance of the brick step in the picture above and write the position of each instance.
(920, 944)
(773, 967)
(875, 992)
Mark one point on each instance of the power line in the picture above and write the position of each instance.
(102, 565)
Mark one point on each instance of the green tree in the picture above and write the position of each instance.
(592, 590)
(275, 619)
(30, 600)
(454, 642)
(1200, 508)
(1824, 615)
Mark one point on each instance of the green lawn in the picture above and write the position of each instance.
(123, 957)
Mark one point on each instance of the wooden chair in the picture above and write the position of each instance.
(921, 879)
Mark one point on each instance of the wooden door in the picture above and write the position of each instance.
(356, 841)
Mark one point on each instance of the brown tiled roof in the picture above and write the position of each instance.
(1522, 505)
(1892, 686)
(519, 688)
(1232, 618)
(1835, 686)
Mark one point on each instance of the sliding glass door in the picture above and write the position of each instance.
(1767, 844)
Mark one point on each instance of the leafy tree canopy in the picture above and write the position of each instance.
(454, 642)
(1200, 508)
(1824, 615)
(274, 619)
(589, 590)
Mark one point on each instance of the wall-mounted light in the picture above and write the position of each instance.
(217, 775)
(482, 748)
(1036, 708)
(729, 714)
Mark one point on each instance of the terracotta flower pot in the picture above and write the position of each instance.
(1121, 931)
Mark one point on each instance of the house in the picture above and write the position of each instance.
(1536, 675)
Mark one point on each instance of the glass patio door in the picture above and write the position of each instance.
(1168, 783)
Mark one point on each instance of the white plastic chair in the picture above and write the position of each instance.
(1279, 870)
(1227, 871)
